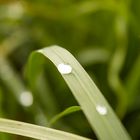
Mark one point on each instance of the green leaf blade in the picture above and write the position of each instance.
(67, 111)
(86, 93)
(34, 131)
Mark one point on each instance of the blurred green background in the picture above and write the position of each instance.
(104, 36)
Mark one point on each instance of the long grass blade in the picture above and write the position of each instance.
(103, 120)
(34, 131)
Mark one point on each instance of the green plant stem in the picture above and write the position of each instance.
(118, 59)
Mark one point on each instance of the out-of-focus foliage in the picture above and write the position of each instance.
(102, 34)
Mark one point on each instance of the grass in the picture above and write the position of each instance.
(33, 131)
(105, 124)
(103, 35)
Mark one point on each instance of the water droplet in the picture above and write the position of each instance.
(102, 110)
(26, 98)
(64, 68)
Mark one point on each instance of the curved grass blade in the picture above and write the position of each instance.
(117, 62)
(132, 81)
(67, 111)
(98, 112)
(34, 131)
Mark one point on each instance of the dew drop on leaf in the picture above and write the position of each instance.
(102, 110)
(64, 68)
